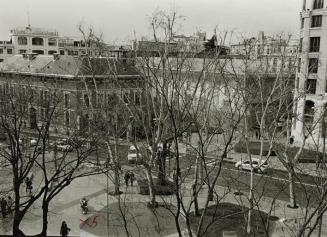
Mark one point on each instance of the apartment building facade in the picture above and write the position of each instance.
(310, 97)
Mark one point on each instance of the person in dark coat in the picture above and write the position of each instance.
(127, 177)
(3, 205)
(9, 204)
(132, 177)
(64, 229)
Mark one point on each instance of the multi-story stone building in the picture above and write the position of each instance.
(6, 49)
(85, 87)
(47, 42)
(311, 87)
(276, 51)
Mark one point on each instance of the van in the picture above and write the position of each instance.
(133, 156)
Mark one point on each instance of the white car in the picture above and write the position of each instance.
(132, 155)
(256, 164)
(33, 142)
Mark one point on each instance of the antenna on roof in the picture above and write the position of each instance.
(28, 19)
(28, 15)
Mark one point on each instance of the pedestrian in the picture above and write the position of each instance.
(127, 178)
(132, 177)
(30, 187)
(64, 229)
(3, 205)
(27, 180)
(9, 204)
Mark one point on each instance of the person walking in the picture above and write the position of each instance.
(132, 177)
(127, 177)
(64, 229)
(9, 204)
(27, 180)
(29, 187)
(3, 205)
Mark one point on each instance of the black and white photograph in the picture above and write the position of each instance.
(163, 118)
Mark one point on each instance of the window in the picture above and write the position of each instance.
(67, 119)
(22, 40)
(299, 65)
(274, 66)
(38, 51)
(301, 45)
(51, 52)
(67, 100)
(37, 41)
(86, 100)
(62, 52)
(75, 53)
(314, 44)
(52, 42)
(313, 65)
(126, 98)
(22, 51)
(324, 123)
(311, 86)
(9, 51)
(302, 23)
(316, 21)
(318, 4)
(137, 99)
(1, 51)
(309, 111)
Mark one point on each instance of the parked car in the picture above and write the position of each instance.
(33, 142)
(64, 145)
(133, 155)
(256, 164)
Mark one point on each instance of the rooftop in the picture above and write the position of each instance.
(28, 30)
(65, 65)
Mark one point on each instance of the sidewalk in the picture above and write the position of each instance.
(66, 207)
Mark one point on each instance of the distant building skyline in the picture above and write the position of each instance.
(122, 20)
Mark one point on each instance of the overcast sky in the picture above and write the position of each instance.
(119, 19)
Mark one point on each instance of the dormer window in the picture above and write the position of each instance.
(318, 4)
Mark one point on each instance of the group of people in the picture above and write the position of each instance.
(129, 178)
(6, 206)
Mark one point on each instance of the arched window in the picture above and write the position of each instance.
(318, 4)
(309, 111)
(22, 40)
(37, 41)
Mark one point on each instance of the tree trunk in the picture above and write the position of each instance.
(45, 209)
(194, 186)
(162, 165)
(292, 191)
(152, 195)
(17, 220)
(248, 228)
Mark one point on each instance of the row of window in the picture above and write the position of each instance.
(36, 41)
(22, 51)
(9, 51)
